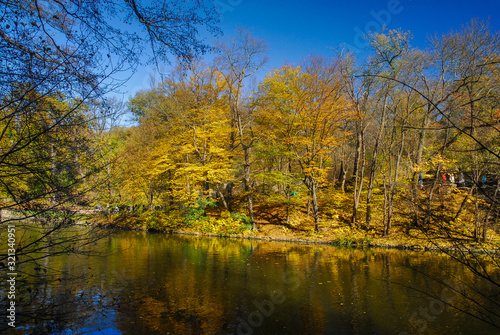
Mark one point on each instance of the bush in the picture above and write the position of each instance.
(158, 220)
(226, 224)
(196, 212)
(242, 217)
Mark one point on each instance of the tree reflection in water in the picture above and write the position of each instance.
(160, 284)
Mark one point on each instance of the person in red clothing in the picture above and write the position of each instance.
(444, 178)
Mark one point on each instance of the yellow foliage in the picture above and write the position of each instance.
(434, 162)
(190, 150)
(304, 111)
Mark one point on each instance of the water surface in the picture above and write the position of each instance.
(148, 283)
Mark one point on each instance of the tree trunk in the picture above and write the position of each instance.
(288, 205)
(288, 190)
(387, 228)
(373, 168)
(464, 202)
(369, 192)
(359, 168)
(229, 198)
(248, 186)
(428, 210)
(53, 170)
(315, 208)
(311, 184)
(223, 199)
(476, 217)
(343, 172)
(395, 181)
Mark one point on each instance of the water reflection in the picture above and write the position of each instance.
(159, 284)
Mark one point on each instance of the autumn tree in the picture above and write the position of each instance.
(305, 108)
(189, 152)
(238, 60)
(358, 93)
(201, 115)
(391, 49)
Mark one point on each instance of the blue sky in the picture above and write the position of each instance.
(295, 29)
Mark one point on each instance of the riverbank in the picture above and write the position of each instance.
(439, 239)
(337, 234)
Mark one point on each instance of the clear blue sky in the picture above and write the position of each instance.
(295, 29)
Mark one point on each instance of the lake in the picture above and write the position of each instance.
(148, 283)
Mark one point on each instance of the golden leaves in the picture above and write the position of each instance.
(306, 111)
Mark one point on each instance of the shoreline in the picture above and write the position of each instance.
(354, 244)
(305, 241)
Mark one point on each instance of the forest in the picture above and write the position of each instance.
(404, 139)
